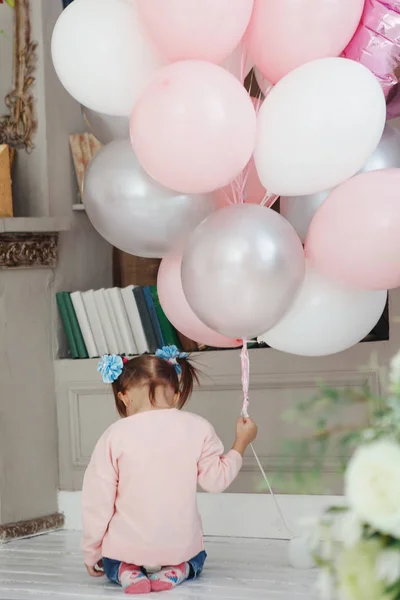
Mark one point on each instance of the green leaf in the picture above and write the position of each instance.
(11, 3)
(337, 510)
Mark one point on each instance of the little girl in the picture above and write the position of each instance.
(139, 492)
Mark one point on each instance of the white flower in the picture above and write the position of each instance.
(394, 375)
(372, 485)
(388, 566)
(347, 528)
(356, 575)
(326, 588)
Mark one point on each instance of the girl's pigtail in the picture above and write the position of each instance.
(189, 376)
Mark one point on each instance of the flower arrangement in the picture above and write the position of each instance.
(357, 546)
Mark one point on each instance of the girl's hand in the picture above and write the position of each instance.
(95, 571)
(246, 433)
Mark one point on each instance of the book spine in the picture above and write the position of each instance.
(67, 325)
(154, 317)
(76, 330)
(134, 319)
(145, 318)
(99, 298)
(114, 322)
(94, 322)
(123, 322)
(84, 325)
(169, 333)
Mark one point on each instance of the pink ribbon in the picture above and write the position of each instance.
(245, 361)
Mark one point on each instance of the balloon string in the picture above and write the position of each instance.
(274, 498)
(269, 200)
(245, 363)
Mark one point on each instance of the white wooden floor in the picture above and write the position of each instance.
(50, 567)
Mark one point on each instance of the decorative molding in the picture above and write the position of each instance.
(28, 250)
(18, 128)
(24, 529)
(78, 459)
(77, 391)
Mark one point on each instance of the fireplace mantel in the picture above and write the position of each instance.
(30, 242)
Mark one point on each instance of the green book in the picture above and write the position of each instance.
(67, 325)
(76, 330)
(169, 332)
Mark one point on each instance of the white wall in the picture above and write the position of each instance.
(30, 334)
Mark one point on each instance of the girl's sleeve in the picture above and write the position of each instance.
(216, 470)
(98, 498)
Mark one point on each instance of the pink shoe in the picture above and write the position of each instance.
(169, 577)
(133, 580)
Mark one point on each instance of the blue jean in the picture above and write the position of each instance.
(111, 567)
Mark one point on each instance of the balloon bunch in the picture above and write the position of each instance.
(189, 156)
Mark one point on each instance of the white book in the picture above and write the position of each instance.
(95, 322)
(114, 322)
(84, 324)
(111, 339)
(123, 321)
(134, 319)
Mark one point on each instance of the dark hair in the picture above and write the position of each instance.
(155, 372)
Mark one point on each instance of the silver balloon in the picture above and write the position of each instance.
(106, 128)
(241, 270)
(135, 213)
(300, 210)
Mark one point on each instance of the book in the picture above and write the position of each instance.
(114, 322)
(99, 298)
(145, 318)
(76, 330)
(67, 325)
(135, 320)
(84, 148)
(153, 316)
(95, 322)
(123, 321)
(84, 324)
(169, 332)
(6, 204)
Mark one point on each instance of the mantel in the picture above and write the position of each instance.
(30, 242)
(34, 224)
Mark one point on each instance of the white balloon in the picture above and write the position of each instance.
(318, 126)
(101, 55)
(325, 318)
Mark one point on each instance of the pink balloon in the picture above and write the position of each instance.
(284, 34)
(376, 45)
(254, 191)
(354, 236)
(194, 127)
(178, 311)
(188, 29)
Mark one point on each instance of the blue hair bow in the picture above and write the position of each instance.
(110, 366)
(171, 354)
